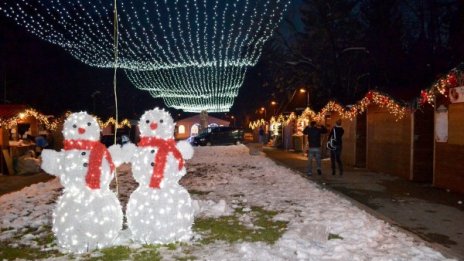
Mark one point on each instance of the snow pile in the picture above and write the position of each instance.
(321, 225)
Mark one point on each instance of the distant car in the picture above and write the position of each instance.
(218, 136)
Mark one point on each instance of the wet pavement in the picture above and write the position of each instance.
(435, 215)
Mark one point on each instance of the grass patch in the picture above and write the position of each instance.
(198, 192)
(3, 229)
(148, 253)
(334, 236)
(113, 254)
(29, 253)
(44, 239)
(186, 258)
(230, 229)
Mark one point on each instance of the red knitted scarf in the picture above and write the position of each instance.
(164, 147)
(97, 152)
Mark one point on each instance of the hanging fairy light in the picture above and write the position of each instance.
(159, 38)
(192, 89)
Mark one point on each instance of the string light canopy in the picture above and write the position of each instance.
(178, 39)
(193, 89)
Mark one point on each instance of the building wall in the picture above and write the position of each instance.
(423, 145)
(349, 142)
(361, 134)
(449, 156)
(388, 142)
(188, 123)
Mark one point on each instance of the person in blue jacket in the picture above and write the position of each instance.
(314, 139)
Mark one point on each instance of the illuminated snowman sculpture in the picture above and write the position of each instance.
(159, 210)
(88, 215)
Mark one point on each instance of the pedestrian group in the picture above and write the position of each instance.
(334, 145)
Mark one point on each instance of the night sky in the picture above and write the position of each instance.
(44, 76)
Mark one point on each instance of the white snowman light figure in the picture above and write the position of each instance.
(88, 215)
(159, 210)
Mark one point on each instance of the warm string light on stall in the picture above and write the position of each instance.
(372, 97)
(441, 87)
(43, 119)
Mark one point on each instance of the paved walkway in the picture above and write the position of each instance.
(11, 183)
(435, 215)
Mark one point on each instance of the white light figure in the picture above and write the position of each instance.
(159, 210)
(183, 40)
(88, 215)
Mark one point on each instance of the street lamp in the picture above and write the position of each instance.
(263, 110)
(273, 104)
(233, 120)
(303, 90)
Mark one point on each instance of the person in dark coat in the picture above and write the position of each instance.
(335, 140)
(261, 135)
(314, 139)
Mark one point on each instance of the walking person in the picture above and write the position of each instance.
(314, 140)
(261, 135)
(335, 146)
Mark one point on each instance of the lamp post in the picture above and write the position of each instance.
(273, 104)
(233, 120)
(263, 110)
(303, 90)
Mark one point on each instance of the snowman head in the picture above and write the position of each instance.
(81, 126)
(156, 123)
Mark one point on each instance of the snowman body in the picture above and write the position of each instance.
(160, 211)
(88, 215)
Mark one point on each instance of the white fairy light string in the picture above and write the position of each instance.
(88, 215)
(153, 34)
(214, 88)
(158, 36)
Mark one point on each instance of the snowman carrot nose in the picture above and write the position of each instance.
(81, 130)
(153, 126)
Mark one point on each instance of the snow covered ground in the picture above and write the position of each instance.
(320, 224)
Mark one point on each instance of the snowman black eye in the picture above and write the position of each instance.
(161, 121)
(74, 126)
(88, 123)
(147, 121)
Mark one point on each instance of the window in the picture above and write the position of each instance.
(194, 130)
(181, 129)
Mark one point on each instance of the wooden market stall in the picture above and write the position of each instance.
(20, 126)
(449, 146)
(400, 146)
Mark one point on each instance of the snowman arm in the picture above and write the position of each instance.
(122, 154)
(51, 161)
(185, 149)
